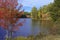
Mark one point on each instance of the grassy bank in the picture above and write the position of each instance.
(48, 37)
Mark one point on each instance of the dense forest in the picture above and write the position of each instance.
(50, 11)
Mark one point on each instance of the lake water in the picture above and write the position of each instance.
(30, 27)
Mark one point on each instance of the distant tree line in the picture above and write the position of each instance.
(52, 9)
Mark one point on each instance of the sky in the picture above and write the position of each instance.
(28, 4)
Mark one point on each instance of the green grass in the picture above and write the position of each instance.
(48, 37)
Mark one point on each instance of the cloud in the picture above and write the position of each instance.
(36, 3)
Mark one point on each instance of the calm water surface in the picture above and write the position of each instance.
(30, 27)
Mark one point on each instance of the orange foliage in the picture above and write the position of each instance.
(7, 15)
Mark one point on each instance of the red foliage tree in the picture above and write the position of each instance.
(8, 12)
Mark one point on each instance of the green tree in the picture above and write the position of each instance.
(54, 10)
(43, 11)
(27, 13)
(34, 13)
